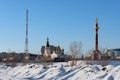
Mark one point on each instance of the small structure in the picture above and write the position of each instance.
(114, 53)
(51, 51)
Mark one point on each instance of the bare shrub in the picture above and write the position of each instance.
(75, 51)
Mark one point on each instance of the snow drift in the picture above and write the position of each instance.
(60, 71)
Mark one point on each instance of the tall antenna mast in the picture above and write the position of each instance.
(26, 39)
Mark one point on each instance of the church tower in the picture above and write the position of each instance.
(47, 44)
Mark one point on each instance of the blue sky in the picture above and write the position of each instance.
(63, 21)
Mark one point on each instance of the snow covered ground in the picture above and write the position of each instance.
(61, 71)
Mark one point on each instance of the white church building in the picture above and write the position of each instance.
(52, 51)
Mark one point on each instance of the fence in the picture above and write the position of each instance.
(98, 62)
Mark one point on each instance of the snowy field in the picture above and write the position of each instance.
(61, 71)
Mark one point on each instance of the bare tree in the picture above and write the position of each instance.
(75, 51)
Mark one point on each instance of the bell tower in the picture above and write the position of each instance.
(47, 44)
(96, 51)
(96, 35)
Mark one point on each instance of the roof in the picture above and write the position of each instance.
(117, 49)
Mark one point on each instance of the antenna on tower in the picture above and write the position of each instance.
(26, 39)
